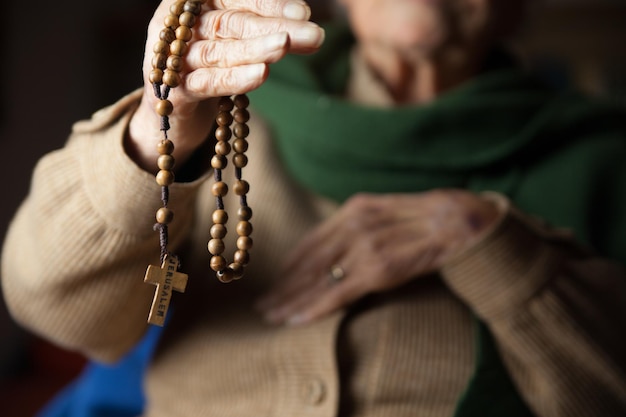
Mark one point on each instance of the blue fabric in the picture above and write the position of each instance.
(107, 390)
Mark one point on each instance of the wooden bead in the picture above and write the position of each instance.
(241, 101)
(159, 61)
(220, 216)
(178, 47)
(240, 145)
(193, 7)
(171, 78)
(165, 147)
(222, 148)
(225, 104)
(240, 160)
(241, 257)
(241, 130)
(218, 231)
(244, 213)
(177, 8)
(224, 118)
(161, 47)
(165, 162)
(219, 162)
(244, 228)
(237, 269)
(225, 275)
(241, 115)
(241, 187)
(174, 63)
(187, 19)
(244, 243)
(218, 263)
(216, 246)
(164, 108)
(167, 35)
(156, 76)
(171, 21)
(165, 178)
(164, 215)
(183, 33)
(223, 133)
(219, 189)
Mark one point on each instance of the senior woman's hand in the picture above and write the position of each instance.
(380, 242)
(234, 42)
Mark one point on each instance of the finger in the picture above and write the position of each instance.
(232, 24)
(288, 9)
(215, 82)
(228, 53)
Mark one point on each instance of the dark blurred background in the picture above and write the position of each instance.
(63, 60)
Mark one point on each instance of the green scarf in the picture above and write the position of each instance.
(503, 131)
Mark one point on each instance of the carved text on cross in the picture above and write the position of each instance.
(167, 279)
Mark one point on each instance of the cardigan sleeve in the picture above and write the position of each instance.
(76, 252)
(557, 313)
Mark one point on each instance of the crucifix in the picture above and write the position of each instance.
(167, 279)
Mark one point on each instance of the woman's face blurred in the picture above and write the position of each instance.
(423, 26)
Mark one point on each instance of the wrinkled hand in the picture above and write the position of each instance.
(380, 242)
(234, 42)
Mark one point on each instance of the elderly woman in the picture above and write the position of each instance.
(404, 177)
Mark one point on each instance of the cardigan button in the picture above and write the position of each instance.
(314, 391)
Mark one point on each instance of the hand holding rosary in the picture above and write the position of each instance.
(231, 121)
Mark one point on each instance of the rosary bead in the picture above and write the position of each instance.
(241, 115)
(218, 231)
(225, 275)
(222, 148)
(244, 213)
(165, 147)
(164, 108)
(171, 78)
(171, 21)
(244, 228)
(220, 216)
(223, 133)
(225, 104)
(156, 76)
(219, 189)
(161, 47)
(183, 33)
(174, 63)
(218, 263)
(244, 242)
(193, 7)
(187, 19)
(164, 215)
(237, 270)
(224, 118)
(219, 162)
(159, 61)
(240, 145)
(165, 178)
(178, 47)
(240, 160)
(241, 187)
(242, 101)
(177, 8)
(241, 257)
(165, 162)
(216, 246)
(167, 35)
(241, 130)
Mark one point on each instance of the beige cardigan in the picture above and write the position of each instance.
(76, 253)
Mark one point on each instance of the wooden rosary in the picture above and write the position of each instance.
(231, 121)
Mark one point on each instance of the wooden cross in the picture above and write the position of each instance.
(167, 279)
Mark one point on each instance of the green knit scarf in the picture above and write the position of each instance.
(479, 136)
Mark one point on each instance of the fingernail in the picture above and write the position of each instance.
(296, 320)
(310, 34)
(276, 40)
(255, 70)
(296, 11)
